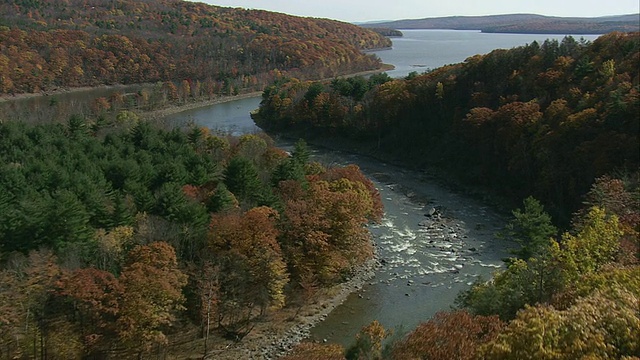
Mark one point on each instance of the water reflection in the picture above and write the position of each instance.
(229, 117)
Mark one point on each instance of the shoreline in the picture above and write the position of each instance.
(176, 109)
(265, 342)
(61, 91)
(276, 337)
(220, 99)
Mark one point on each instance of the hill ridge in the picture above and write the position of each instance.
(520, 23)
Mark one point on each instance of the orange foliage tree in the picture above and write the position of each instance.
(324, 233)
(152, 285)
(252, 270)
(448, 335)
(96, 296)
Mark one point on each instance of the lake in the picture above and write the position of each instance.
(420, 50)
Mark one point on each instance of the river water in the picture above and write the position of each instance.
(427, 260)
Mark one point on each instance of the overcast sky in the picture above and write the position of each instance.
(367, 10)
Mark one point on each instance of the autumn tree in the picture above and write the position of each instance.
(353, 173)
(152, 284)
(600, 326)
(324, 232)
(448, 335)
(95, 295)
(616, 197)
(595, 245)
(252, 271)
(110, 248)
(612, 278)
(368, 343)
(27, 313)
(12, 317)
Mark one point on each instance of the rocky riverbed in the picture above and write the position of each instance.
(433, 242)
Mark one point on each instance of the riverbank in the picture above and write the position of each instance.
(284, 329)
(425, 221)
(156, 115)
(427, 170)
(64, 91)
(462, 241)
(172, 109)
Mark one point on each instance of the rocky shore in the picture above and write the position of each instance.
(270, 342)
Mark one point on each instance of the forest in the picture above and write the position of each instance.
(551, 128)
(563, 295)
(543, 119)
(48, 45)
(113, 240)
(120, 238)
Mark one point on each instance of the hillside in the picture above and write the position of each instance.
(521, 23)
(70, 43)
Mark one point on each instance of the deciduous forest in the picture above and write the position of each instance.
(46, 45)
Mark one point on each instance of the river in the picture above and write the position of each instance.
(427, 260)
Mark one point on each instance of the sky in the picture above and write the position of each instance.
(368, 10)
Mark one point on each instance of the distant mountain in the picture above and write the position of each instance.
(520, 23)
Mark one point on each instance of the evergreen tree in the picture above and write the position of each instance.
(67, 220)
(242, 179)
(531, 228)
(301, 153)
(122, 214)
(222, 199)
(289, 169)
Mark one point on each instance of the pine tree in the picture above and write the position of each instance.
(531, 228)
